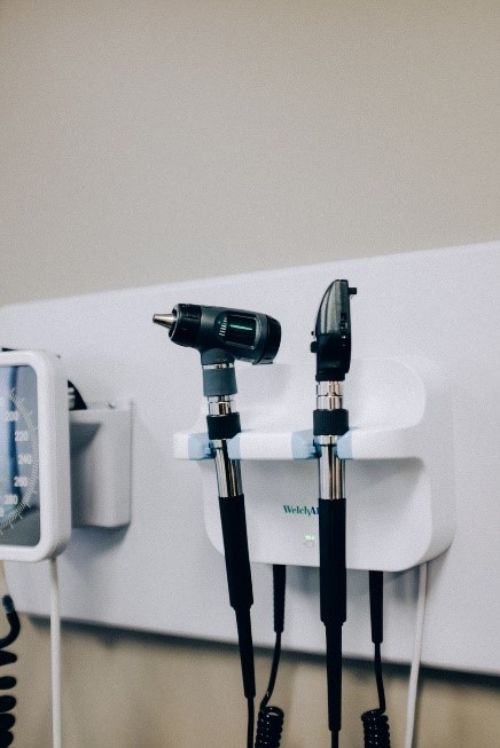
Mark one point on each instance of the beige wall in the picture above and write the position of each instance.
(142, 142)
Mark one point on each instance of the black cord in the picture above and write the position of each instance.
(375, 722)
(274, 672)
(377, 664)
(271, 718)
(239, 579)
(245, 646)
(251, 720)
(334, 676)
(7, 682)
(332, 577)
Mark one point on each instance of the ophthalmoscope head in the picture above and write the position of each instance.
(332, 332)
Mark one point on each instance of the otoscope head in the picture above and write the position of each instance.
(332, 332)
(233, 333)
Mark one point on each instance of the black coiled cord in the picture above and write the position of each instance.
(376, 729)
(7, 682)
(375, 721)
(271, 718)
(269, 727)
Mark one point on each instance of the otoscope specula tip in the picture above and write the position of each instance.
(165, 320)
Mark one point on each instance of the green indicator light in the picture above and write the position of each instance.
(245, 328)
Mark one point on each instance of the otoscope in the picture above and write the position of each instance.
(332, 346)
(221, 336)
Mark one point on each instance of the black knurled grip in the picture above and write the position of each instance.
(332, 560)
(330, 422)
(223, 427)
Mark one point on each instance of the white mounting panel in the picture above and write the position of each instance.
(161, 573)
(401, 492)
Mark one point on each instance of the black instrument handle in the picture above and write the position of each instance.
(332, 524)
(239, 580)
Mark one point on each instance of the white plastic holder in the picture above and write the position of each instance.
(400, 491)
(101, 456)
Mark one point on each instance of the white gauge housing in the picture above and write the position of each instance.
(49, 459)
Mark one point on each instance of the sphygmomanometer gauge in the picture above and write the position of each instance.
(19, 460)
(35, 515)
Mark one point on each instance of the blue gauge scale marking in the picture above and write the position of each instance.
(19, 456)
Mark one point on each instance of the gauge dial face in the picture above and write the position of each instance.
(19, 457)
